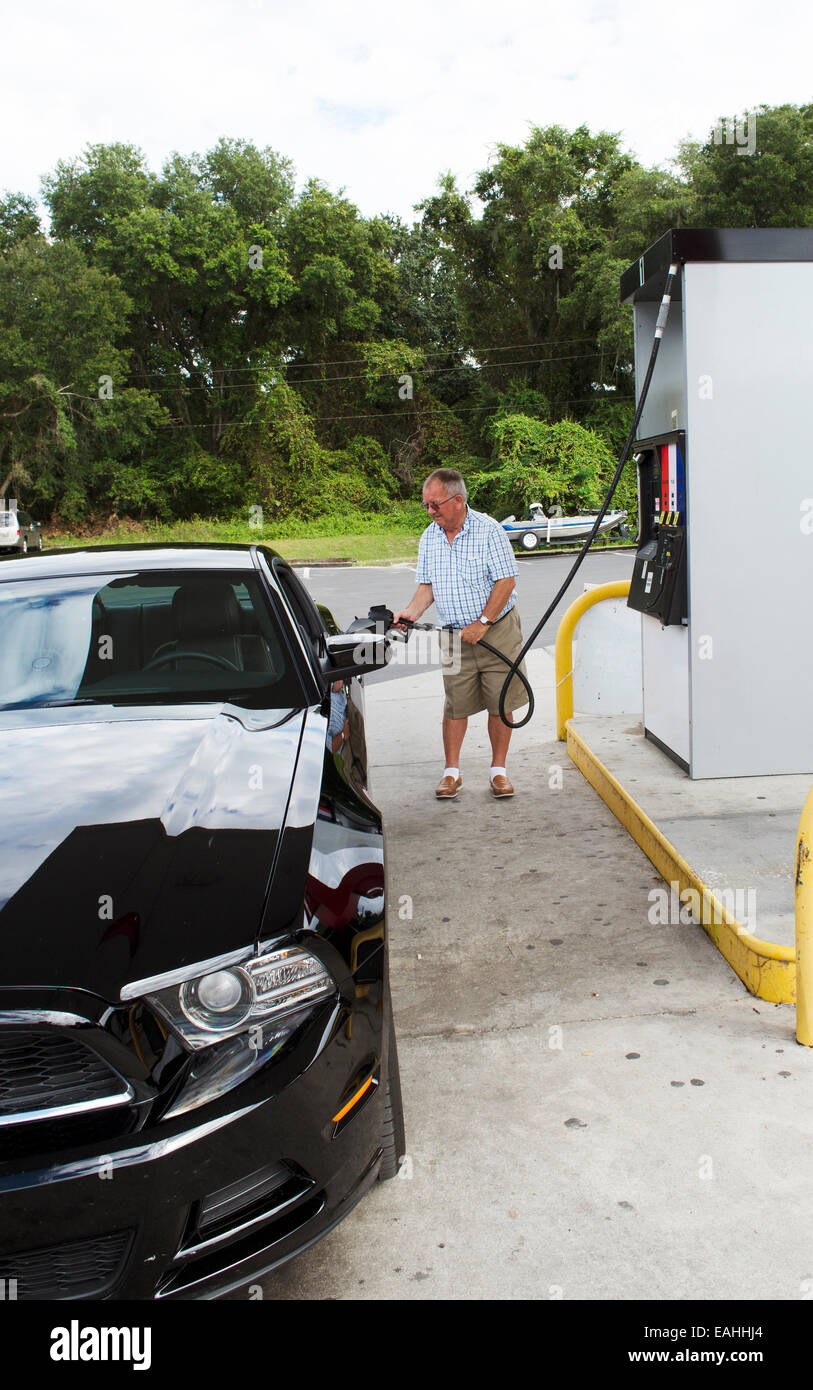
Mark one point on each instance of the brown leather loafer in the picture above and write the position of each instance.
(447, 788)
(501, 786)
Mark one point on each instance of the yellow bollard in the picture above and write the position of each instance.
(804, 925)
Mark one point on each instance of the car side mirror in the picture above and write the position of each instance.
(356, 653)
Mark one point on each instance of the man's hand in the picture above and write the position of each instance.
(473, 632)
(422, 599)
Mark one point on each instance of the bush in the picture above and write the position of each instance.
(560, 465)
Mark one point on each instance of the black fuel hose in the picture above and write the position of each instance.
(521, 677)
(663, 314)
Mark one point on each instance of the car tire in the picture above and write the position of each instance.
(393, 1138)
(530, 541)
(25, 547)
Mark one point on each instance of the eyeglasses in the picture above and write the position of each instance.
(436, 506)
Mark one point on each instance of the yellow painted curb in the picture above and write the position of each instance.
(766, 969)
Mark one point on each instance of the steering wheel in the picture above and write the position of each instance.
(163, 660)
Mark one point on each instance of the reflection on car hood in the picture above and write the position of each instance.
(133, 845)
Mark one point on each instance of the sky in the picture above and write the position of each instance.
(381, 98)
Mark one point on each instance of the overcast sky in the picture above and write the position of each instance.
(380, 98)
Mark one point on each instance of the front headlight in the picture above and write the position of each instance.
(243, 997)
(213, 1073)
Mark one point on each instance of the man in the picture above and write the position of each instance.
(467, 569)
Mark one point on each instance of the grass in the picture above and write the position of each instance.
(362, 538)
(363, 550)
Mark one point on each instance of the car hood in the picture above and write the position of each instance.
(133, 845)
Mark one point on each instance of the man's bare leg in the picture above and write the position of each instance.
(454, 731)
(500, 737)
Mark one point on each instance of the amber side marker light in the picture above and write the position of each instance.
(354, 1099)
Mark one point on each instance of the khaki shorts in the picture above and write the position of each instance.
(481, 677)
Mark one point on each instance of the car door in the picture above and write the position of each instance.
(304, 612)
(346, 737)
(28, 532)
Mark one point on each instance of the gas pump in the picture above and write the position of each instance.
(723, 574)
(658, 585)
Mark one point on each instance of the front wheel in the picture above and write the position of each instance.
(393, 1138)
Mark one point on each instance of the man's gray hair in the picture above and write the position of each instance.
(451, 480)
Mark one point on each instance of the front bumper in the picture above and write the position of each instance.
(208, 1203)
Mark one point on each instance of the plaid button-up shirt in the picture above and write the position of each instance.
(464, 573)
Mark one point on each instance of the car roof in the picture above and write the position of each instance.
(102, 559)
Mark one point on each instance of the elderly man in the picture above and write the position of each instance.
(467, 569)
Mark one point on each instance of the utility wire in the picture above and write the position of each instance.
(440, 352)
(435, 372)
(403, 414)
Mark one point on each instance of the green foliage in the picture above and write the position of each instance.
(445, 440)
(560, 464)
(385, 364)
(130, 487)
(611, 420)
(520, 399)
(772, 186)
(252, 336)
(63, 398)
(547, 207)
(424, 308)
(18, 220)
(288, 472)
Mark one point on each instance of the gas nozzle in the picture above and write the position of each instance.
(382, 619)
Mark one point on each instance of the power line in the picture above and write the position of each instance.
(387, 414)
(435, 372)
(345, 361)
(449, 371)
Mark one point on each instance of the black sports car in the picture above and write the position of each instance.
(198, 1071)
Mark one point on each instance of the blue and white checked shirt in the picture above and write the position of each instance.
(464, 573)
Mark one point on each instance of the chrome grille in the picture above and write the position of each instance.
(48, 1073)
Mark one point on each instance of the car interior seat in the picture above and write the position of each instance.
(207, 618)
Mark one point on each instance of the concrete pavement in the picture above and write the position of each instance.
(738, 833)
(595, 1107)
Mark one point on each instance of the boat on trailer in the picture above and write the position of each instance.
(539, 528)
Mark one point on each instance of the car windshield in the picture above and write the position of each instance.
(145, 638)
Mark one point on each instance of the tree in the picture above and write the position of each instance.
(547, 207)
(18, 220)
(62, 393)
(772, 186)
(261, 340)
(560, 465)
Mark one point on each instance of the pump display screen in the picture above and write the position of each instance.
(673, 491)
